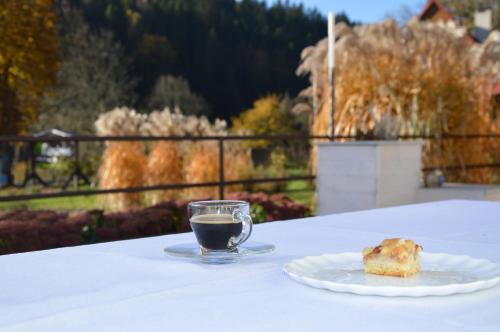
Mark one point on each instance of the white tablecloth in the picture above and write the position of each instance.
(133, 286)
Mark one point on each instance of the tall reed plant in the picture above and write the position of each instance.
(123, 164)
(165, 161)
(423, 78)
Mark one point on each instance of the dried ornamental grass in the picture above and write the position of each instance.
(123, 164)
(169, 161)
(172, 162)
(238, 164)
(203, 166)
(203, 163)
(165, 162)
(164, 166)
(424, 79)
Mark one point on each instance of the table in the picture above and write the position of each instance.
(131, 285)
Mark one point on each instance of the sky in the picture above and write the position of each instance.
(365, 11)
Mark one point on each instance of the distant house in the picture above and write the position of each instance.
(52, 152)
(483, 29)
(434, 11)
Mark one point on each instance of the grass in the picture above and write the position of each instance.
(300, 191)
(59, 203)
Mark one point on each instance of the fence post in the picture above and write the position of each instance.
(76, 166)
(221, 168)
(77, 173)
(32, 174)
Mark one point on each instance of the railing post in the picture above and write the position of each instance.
(221, 168)
(76, 166)
(76, 174)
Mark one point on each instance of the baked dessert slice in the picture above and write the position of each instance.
(393, 257)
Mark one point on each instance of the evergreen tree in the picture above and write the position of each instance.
(231, 52)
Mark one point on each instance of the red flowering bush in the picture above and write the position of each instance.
(265, 207)
(28, 230)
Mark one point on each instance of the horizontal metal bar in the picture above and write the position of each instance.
(265, 180)
(85, 138)
(460, 167)
(4, 139)
(450, 136)
(12, 198)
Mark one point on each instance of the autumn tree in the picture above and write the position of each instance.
(92, 78)
(269, 115)
(231, 52)
(28, 60)
(170, 91)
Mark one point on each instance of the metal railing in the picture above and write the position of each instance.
(221, 183)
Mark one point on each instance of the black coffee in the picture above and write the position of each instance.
(213, 231)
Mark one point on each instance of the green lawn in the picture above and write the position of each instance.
(300, 191)
(60, 203)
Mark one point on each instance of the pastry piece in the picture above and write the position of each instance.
(393, 257)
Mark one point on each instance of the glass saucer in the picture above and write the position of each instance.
(192, 251)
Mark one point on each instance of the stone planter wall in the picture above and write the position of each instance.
(364, 175)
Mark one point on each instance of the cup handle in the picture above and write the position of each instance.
(246, 222)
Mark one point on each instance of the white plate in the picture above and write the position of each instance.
(440, 274)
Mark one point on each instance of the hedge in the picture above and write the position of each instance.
(29, 230)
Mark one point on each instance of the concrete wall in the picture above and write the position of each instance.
(355, 176)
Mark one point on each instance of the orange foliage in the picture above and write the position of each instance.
(420, 79)
(165, 164)
(203, 166)
(28, 60)
(123, 165)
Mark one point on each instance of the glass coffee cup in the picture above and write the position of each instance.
(220, 226)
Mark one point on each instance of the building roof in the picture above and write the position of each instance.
(480, 34)
(54, 132)
(434, 10)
